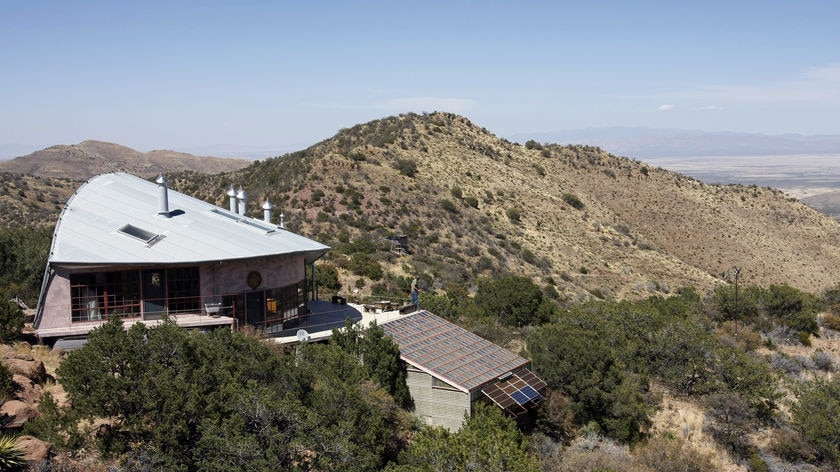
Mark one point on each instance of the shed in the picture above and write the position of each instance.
(450, 368)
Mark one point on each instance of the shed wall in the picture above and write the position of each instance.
(437, 406)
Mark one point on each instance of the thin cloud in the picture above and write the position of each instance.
(710, 108)
(665, 107)
(454, 105)
(814, 85)
(817, 84)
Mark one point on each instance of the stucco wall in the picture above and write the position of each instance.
(231, 277)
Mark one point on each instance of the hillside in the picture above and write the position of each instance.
(586, 222)
(828, 203)
(84, 160)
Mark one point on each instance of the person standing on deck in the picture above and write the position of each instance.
(415, 292)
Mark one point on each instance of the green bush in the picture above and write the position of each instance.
(514, 215)
(407, 167)
(831, 321)
(531, 144)
(327, 277)
(790, 446)
(11, 318)
(815, 415)
(448, 205)
(513, 301)
(7, 387)
(573, 201)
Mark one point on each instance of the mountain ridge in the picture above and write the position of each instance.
(473, 204)
(88, 158)
(582, 222)
(646, 143)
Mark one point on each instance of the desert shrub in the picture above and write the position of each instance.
(531, 144)
(555, 417)
(792, 307)
(364, 265)
(488, 440)
(11, 318)
(831, 321)
(823, 361)
(587, 367)
(7, 387)
(662, 453)
(573, 201)
(513, 300)
(728, 421)
(456, 192)
(327, 277)
(514, 215)
(755, 461)
(406, 167)
(471, 202)
(448, 205)
(739, 334)
(790, 446)
(736, 303)
(815, 415)
(784, 364)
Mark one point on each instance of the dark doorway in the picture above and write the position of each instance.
(154, 294)
(255, 308)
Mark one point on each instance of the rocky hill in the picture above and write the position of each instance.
(828, 203)
(84, 160)
(586, 222)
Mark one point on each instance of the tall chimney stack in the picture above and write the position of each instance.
(242, 196)
(163, 196)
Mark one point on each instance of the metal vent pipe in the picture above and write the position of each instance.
(231, 193)
(242, 196)
(163, 196)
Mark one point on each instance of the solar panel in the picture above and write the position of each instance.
(529, 392)
(519, 397)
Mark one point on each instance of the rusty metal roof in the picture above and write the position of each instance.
(451, 353)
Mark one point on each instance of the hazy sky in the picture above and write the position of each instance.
(220, 76)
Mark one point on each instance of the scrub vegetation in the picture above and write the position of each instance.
(613, 277)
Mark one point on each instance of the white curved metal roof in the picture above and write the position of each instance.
(113, 219)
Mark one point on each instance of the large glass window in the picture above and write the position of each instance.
(272, 309)
(184, 290)
(101, 295)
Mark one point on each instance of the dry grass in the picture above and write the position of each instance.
(684, 419)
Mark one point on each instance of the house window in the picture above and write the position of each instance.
(438, 383)
(269, 309)
(184, 290)
(101, 295)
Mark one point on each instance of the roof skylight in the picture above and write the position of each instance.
(147, 237)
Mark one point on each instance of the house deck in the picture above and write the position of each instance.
(324, 316)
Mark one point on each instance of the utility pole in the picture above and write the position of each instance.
(737, 306)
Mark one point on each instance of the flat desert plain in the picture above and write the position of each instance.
(799, 176)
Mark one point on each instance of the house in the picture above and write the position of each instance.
(450, 369)
(128, 247)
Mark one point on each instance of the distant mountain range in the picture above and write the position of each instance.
(642, 143)
(86, 159)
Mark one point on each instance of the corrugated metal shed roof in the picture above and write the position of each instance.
(113, 219)
(449, 352)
